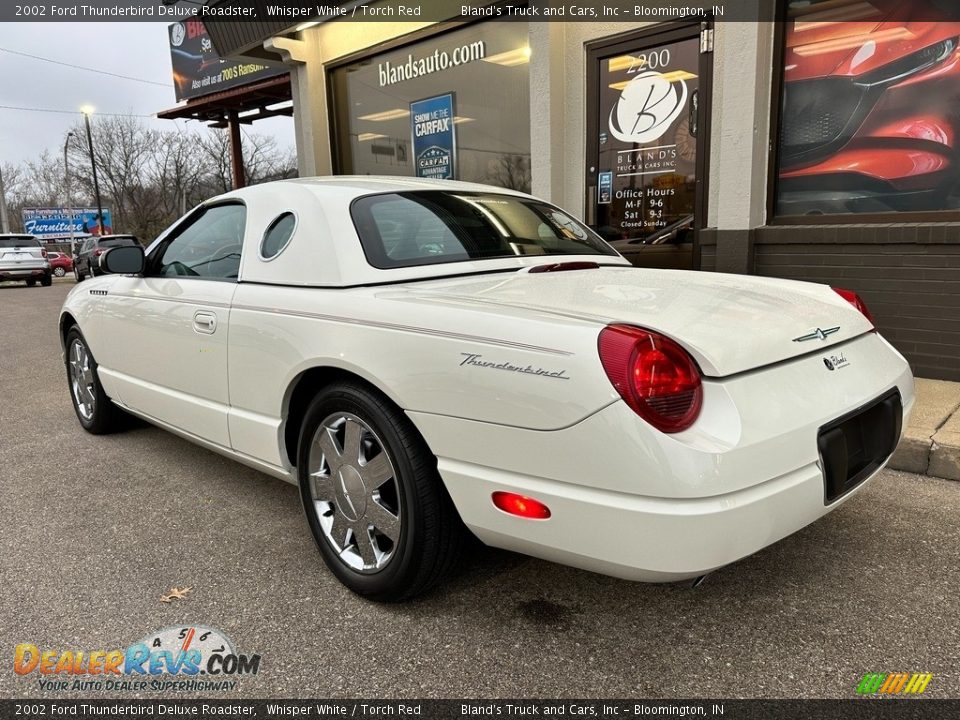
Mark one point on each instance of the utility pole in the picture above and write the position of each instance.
(4, 219)
(93, 164)
(66, 189)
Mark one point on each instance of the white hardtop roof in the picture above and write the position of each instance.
(359, 185)
(325, 250)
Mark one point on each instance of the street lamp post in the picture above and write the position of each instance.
(87, 110)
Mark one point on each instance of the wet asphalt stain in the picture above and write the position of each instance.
(544, 612)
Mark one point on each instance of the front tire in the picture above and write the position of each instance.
(374, 501)
(95, 411)
(78, 275)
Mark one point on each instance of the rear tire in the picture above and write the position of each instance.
(31, 282)
(375, 504)
(59, 272)
(78, 275)
(95, 411)
(46, 280)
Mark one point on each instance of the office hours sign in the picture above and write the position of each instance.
(646, 174)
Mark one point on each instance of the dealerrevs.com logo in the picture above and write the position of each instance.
(189, 659)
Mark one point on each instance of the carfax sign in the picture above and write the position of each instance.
(50, 224)
(434, 140)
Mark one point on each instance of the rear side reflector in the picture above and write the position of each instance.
(521, 505)
(857, 301)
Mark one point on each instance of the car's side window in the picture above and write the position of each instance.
(208, 246)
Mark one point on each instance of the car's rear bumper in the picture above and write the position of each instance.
(21, 273)
(634, 537)
(634, 503)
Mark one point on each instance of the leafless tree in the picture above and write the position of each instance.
(147, 177)
(511, 171)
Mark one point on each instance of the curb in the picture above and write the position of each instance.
(931, 443)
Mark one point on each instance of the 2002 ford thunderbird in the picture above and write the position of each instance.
(425, 357)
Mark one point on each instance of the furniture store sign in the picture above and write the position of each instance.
(50, 224)
(434, 141)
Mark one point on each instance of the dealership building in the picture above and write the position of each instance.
(819, 147)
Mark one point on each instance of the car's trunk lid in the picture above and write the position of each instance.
(729, 323)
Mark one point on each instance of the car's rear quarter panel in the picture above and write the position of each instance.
(412, 353)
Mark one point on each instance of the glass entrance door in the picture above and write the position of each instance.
(646, 146)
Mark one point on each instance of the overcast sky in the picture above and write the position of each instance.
(137, 49)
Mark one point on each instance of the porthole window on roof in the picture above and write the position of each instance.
(278, 235)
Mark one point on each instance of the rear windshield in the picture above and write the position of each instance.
(441, 226)
(117, 242)
(25, 241)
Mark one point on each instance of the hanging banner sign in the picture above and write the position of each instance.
(434, 139)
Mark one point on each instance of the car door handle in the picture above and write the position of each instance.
(205, 322)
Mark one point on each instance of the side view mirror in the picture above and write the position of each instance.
(124, 260)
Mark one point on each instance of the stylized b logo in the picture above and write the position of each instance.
(644, 112)
(648, 106)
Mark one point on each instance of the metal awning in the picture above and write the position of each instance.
(245, 38)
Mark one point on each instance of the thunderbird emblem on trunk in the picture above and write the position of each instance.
(817, 334)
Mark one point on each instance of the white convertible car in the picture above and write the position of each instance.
(425, 357)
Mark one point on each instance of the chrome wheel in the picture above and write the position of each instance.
(354, 490)
(82, 381)
(59, 272)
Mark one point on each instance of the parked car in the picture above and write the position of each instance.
(60, 263)
(86, 261)
(423, 357)
(22, 257)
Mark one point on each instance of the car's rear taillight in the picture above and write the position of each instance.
(98, 251)
(43, 253)
(857, 301)
(654, 375)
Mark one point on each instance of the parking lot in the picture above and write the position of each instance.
(95, 530)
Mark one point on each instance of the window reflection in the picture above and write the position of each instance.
(483, 67)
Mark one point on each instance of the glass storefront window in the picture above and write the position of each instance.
(870, 117)
(456, 106)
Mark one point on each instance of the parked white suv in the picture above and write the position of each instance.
(22, 257)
